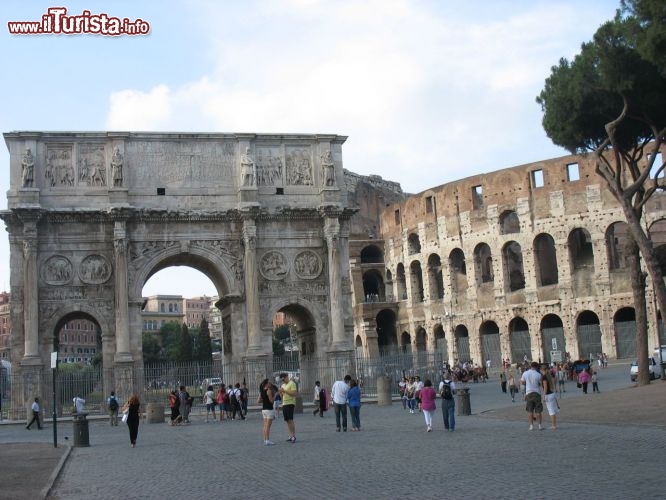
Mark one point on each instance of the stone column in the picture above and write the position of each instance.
(332, 235)
(30, 292)
(251, 288)
(123, 352)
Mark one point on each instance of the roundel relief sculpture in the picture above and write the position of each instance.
(274, 266)
(94, 269)
(307, 265)
(57, 270)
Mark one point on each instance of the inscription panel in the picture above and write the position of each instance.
(181, 164)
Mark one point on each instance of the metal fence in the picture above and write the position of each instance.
(153, 383)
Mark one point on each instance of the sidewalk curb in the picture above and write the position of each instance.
(44, 493)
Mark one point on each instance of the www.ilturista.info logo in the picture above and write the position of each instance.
(57, 22)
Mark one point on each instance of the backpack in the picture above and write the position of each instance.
(234, 397)
(113, 403)
(446, 391)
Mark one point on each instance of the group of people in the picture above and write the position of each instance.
(421, 396)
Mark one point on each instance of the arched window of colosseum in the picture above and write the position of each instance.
(413, 244)
(358, 344)
(580, 249)
(371, 255)
(588, 333)
(483, 262)
(458, 271)
(462, 344)
(617, 237)
(440, 342)
(421, 341)
(545, 259)
(416, 281)
(406, 343)
(435, 278)
(402, 282)
(624, 323)
(657, 233)
(552, 337)
(513, 266)
(490, 343)
(373, 286)
(387, 338)
(521, 342)
(509, 222)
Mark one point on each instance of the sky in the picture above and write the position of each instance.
(427, 91)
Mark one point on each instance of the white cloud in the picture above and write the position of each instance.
(419, 87)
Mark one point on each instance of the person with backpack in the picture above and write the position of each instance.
(447, 389)
(112, 405)
(236, 402)
(185, 404)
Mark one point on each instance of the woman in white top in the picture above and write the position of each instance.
(209, 401)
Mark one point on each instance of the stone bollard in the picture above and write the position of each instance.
(384, 391)
(298, 407)
(155, 413)
(464, 405)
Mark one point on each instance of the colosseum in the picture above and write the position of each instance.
(522, 263)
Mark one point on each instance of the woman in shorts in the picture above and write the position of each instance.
(267, 398)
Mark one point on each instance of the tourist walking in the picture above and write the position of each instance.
(411, 394)
(209, 401)
(35, 415)
(185, 405)
(548, 389)
(428, 405)
(531, 379)
(113, 405)
(339, 396)
(288, 392)
(132, 407)
(595, 382)
(266, 398)
(447, 389)
(354, 402)
(317, 395)
(584, 379)
(174, 405)
(221, 400)
(503, 382)
(513, 388)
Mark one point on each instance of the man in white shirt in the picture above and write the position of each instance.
(531, 379)
(78, 404)
(339, 396)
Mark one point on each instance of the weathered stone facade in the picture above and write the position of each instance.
(521, 262)
(92, 216)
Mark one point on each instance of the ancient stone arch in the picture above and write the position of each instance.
(265, 217)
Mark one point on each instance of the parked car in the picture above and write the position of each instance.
(653, 368)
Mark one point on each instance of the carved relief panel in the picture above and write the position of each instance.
(273, 266)
(94, 270)
(92, 167)
(307, 265)
(269, 166)
(59, 171)
(299, 166)
(56, 270)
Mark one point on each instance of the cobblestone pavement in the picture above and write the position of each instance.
(490, 455)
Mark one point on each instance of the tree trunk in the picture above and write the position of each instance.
(638, 291)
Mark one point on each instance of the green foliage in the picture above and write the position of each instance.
(582, 96)
(281, 332)
(151, 348)
(647, 27)
(185, 345)
(203, 350)
(278, 347)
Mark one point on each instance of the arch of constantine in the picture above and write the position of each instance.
(92, 216)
